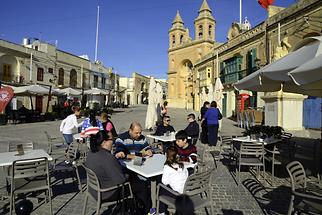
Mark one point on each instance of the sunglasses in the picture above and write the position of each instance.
(168, 120)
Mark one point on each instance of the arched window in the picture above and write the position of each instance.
(61, 76)
(73, 78)
(173, 40)
(181, 39)
(210, 30)
(200, 31)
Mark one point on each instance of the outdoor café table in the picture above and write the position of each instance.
(77, 136)
(151, 167)
(250, 140)
(163, 138)
(7, 158)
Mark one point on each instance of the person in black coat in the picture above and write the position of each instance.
(204, 130)
(193, 127)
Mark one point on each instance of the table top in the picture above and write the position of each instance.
(77, 136)
(152, 166)
(249, 140)
(7, 158)
(163, 138)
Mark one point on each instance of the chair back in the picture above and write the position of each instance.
(26, 146)
(71, 152)
(226, 140)
(198, 183)
(92, 180)
(29, 168)
(252, 149)
(297, 174)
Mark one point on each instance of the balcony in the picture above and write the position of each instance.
(236, 76)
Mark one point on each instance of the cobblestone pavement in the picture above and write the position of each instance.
(251, 196)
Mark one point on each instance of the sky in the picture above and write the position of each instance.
(133, 34)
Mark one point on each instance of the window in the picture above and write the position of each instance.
(95, 81)
(50, 70)
(103, 81)
(61, 76)
(6, 75)
(40, 74)
(210, 30)
(173, 40)
(208, 74)
(181, 39)
(73, 78)
(200, 31)
(84, 81)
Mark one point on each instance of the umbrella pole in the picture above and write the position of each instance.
(49, 98)
(32, 106)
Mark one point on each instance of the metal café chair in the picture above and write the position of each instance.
(302, 199)
(197, 187)
(250, 154)
(27, 176)
(26, 146)
(93, 183)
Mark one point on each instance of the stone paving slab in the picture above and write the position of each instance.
(249, 197)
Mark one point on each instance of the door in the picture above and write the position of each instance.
(224, 105)
(39, 100)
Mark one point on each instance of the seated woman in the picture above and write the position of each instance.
(174, 174)
(108, 125)
(104, 164)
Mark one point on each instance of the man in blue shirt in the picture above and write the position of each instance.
(132, 141)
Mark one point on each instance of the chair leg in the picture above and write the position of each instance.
(78, 179)
(239, 174)
(85, 203)
(98, 206)
(11, 203)
(158, 204)
(290, 208)
(50, 203)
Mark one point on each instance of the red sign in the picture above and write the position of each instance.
(6, 94)
(265, 3)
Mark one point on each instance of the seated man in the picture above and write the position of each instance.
(187, 152)
(131, 141)
(192, 129)
(164, 127)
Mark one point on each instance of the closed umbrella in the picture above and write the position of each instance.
(151, 113)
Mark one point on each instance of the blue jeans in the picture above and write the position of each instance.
(68, 138)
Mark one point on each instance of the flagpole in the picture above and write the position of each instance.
(240, 11)
(97, 24)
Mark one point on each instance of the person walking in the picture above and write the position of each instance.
(204, 131)
(68, 124)
(212, 116)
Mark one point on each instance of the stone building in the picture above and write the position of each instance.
(135, 90)
(184, 52)
(37, 62)
(248, 49)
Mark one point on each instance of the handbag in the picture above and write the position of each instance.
(219, 115)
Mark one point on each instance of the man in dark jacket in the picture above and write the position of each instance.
(192, 129)
(164, 127)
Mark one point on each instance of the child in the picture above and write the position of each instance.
(187, 152)
(174, 175)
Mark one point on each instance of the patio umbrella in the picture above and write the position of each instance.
(309, 76)
(29, 90)
(151, 113)
(96, 91)
(275, 76)
(218, 96)
(70, 91)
